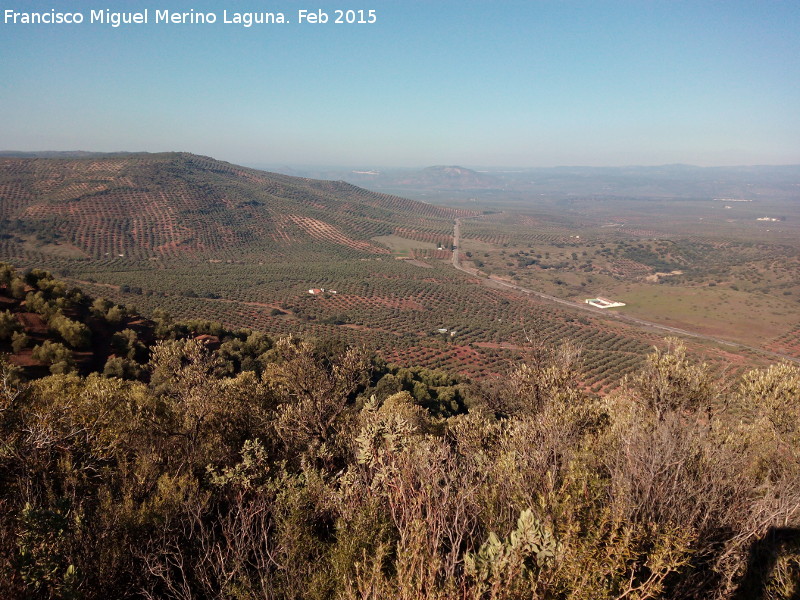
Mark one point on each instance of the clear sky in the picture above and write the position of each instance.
(531, 83)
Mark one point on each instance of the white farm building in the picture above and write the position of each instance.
(603, 302)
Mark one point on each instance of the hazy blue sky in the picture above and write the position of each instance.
(532, 83)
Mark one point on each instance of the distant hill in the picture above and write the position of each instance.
(665, 181)
(447, 177)
(152, 205)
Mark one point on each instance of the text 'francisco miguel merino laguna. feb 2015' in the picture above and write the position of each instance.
(190, 17)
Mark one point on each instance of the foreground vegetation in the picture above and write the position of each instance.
(309, 481)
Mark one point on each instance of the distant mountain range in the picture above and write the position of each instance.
(438, 177)
(441, 183)
(665, 181)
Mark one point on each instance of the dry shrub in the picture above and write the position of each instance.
(200, 487)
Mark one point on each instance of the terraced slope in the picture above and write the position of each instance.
(177, 204)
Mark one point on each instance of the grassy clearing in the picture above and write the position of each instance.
(402, 246)
(58, 249)
(751, 318)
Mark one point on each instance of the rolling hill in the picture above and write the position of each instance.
(156, 205)
(205, 239)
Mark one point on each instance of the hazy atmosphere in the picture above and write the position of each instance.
(471, 83)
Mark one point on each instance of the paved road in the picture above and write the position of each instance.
(598, 311)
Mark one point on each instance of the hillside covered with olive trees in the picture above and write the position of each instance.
(200, 462)
(213, 241)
